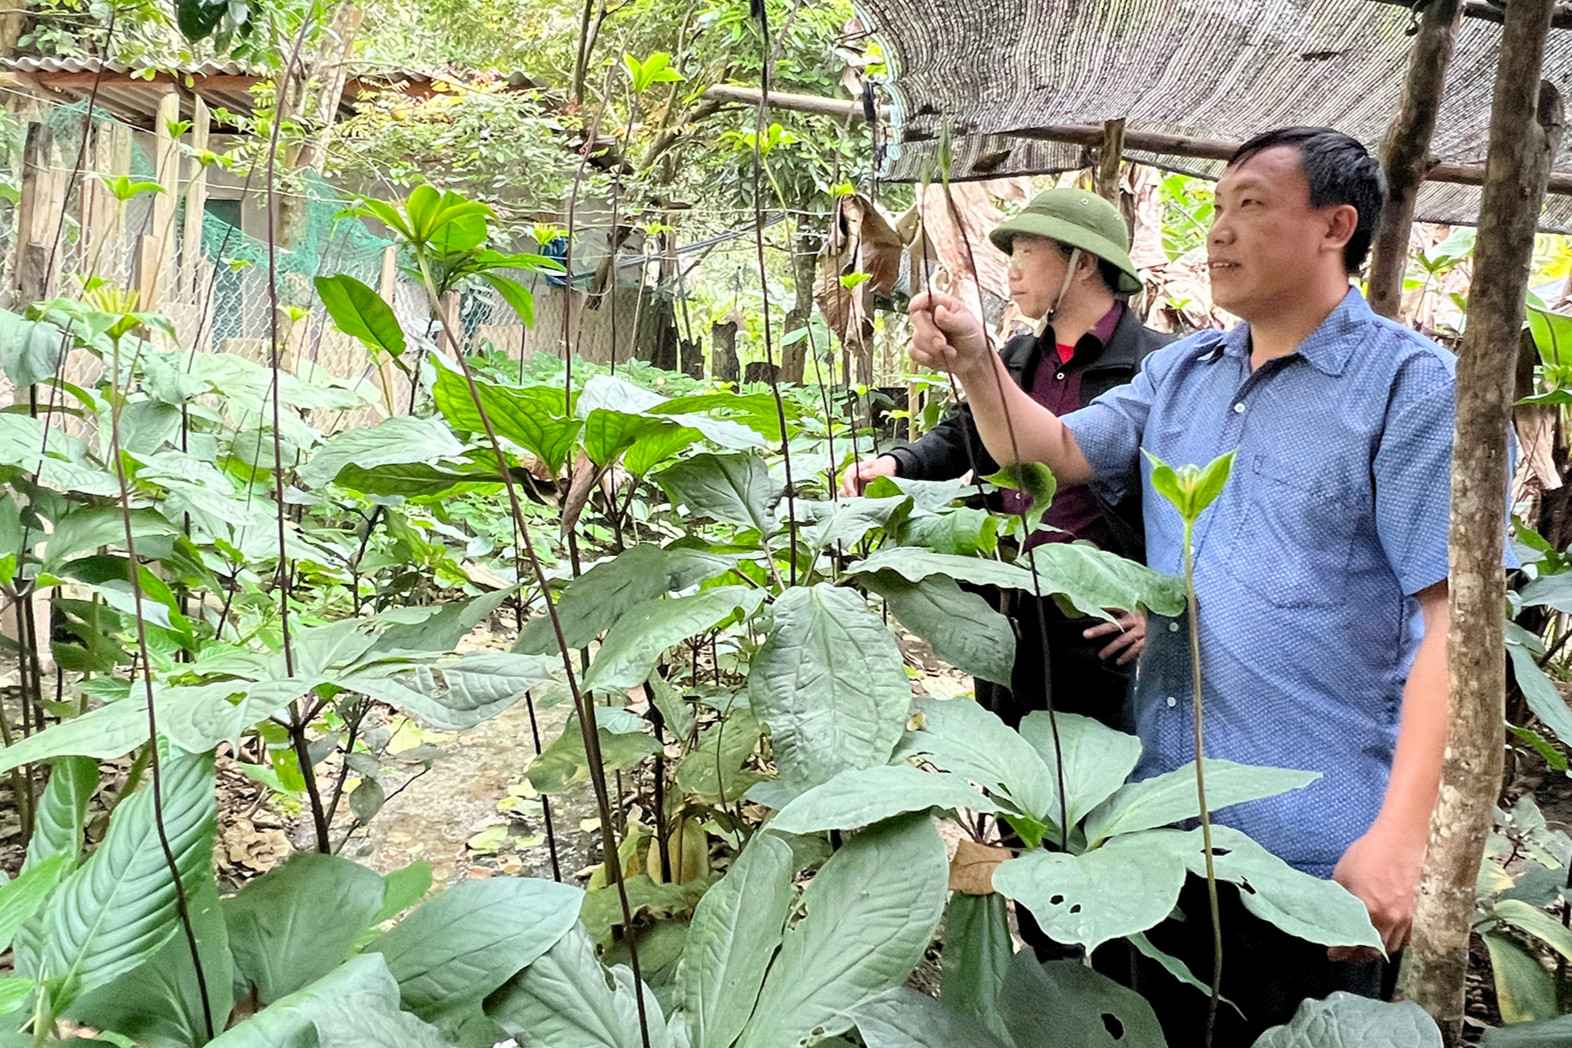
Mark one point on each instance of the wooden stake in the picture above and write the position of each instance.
(156, 250)
(1405, 152)
(1525, 130)
(1105, 180)
(196, 205)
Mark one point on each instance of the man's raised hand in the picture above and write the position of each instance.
(946, 335)
(860, 474)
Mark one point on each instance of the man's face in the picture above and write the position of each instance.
(1266, 240)
(1036, 272)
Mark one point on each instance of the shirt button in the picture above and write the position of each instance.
(1239, 409)
(1060, 376)
(1173, 627)
(1172, 702)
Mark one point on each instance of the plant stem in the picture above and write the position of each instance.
(1200, 780)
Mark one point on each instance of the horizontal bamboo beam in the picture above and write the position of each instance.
(818, 105)
(1488, 12)
(1219, 149)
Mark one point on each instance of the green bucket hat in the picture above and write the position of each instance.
(1076, 218)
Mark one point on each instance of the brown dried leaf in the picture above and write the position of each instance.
(971, 871)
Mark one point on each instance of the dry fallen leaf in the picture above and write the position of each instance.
(971, 871)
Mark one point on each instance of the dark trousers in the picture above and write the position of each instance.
(1266, 971)
(1082, 683)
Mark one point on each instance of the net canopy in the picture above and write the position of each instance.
(1204, 69)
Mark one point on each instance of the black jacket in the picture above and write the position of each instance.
(941, 453)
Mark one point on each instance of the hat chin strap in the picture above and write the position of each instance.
(1058, 300)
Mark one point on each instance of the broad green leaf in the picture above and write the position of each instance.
(109, 731)
(930, 496)
(1119, 889)
(1345, 1020)
(592, 603)
(634, 645)
(976, 958)
(160, 1003)
(119, 908)
(532, 417)
(1308, 907)
(1097, 759)
(415, 480)
(57, 824)
(14, 992)
(1171, 797)
(1542, 696)
(567, 1000)
(962, 629)
(200, 717)
(735, 489)
(30, 350)
(1190, 489)
(1174, 966)
(963, 531)
(758, 411)
(457, 694)
(515, 295)
(405, 887)
(355, 1006)
(602, 909)
(735, 930)
(360, 312)
(1074, 1003)
(563, 762)
(472, 938)
(22, 897)
(1552, 591)
(904, 1018)
(1525, 992)
(840, 525)
(437, 629)
(1531, 920)
(713, 769)
(608, 434)
(914, 565)
(398, 440)
(831, 685)
(1033, 480)
(860, 796)
(1089, 580)
(958, 735)
(1555, 1033)
(293, 925)
(871, 911)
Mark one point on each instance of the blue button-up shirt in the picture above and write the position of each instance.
(1335, 515)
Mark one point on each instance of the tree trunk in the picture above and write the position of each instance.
(1405, 154)
(1525, 128)
(314, 102)
(804, 259)
(723, 351)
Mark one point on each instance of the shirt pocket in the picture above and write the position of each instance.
(1295, 535)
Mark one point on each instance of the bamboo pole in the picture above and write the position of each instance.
(156, 249)
(196, 206)
(1525, 129)
(1405, 152)
(1110, 154)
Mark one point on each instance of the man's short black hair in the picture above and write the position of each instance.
(1109, 272)
(1339, 170)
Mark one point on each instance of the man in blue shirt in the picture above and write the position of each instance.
(1310, 566)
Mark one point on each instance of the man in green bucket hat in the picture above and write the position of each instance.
(1069, 269)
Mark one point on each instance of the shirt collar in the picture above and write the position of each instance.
(1101, 331)
(1329, 346)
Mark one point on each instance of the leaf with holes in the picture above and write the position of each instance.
(1075, 1007)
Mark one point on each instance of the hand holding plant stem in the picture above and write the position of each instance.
(1190, 489)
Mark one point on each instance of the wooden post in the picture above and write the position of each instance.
(1405, 153)
(723, 350)
(1110, 155)
(156, 249)
(1525, 130)
(32, 255)
(196, 206)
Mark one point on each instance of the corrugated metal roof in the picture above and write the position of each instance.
(1215, 69)
(92, 65)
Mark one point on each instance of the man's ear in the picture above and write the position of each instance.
(1341, 223)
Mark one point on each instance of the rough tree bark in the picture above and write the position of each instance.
(723, 351)
(1405, 153)
(1525, 128)
(804, 259)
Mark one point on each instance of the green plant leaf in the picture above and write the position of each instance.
(1171, 797)
(860, 796)
(843, 524)
(958, 735)
(1310, 908)
(567, 1000)
(360, 312)
(713, 769)
(14, 992)
(405, 887)
(963, 532)
(735, 930)
(871, 912)
(914, 565)
(109, 731)
(30, 350)
(515, 295)
(456, 694)
(904, 1018)
(469, 940)
(1539, 692)
(531, 417)
(399, 440)
(734, 489)
(634, 645)
(1086, 580)
(831, 685)
(1531, 920)
(1525, 992)
(1097, 759)
(976, 958)
(22, 897)
(1551, 1034)
(960, 627)
(295, 924)
(1344, 1020)
(563, 762)
(1034, 480)
(159, 1004)
(1072, 1000)
(62, 808)
(1119, 889)
(354, 1006)
(119, 908)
